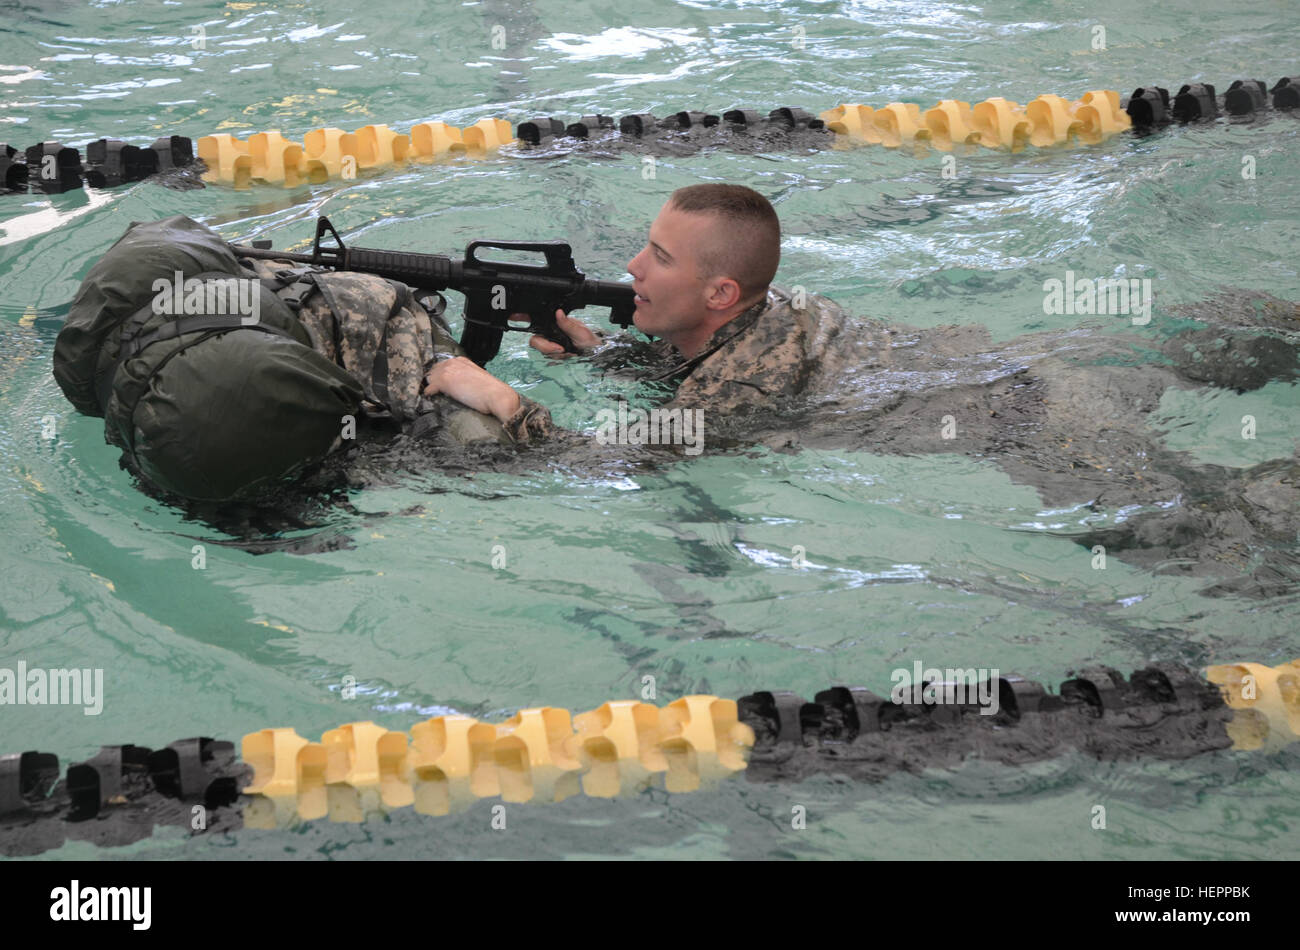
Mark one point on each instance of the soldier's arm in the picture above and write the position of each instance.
(468, 383)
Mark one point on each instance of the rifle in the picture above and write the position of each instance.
(493, 289)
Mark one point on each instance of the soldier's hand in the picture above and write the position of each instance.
(583, 338)
(465, 381)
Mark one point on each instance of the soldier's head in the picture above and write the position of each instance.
(710, 256)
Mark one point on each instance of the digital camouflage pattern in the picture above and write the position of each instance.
(774, 349)
(531, 422)
(349, 316)
(376, 330)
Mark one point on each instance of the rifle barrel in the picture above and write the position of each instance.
(270, 254)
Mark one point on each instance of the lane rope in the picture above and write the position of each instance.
(547, 754)
(325, 154)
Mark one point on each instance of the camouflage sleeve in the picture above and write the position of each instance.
(531, 422)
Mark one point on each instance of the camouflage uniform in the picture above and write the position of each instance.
(376, 330)
(770, 351)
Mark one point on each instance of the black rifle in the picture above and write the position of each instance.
(493, 289)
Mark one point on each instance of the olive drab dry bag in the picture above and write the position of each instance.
(204, 377)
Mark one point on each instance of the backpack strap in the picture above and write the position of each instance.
(293, 286)
(169, 331)
(131, 343)
(379, 367)
(379, 376)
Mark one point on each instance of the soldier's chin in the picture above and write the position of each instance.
(642, 322)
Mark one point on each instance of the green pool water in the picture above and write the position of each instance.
(685, 573)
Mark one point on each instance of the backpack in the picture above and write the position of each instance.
(203, 375)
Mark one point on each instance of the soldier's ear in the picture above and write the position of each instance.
(726, 293)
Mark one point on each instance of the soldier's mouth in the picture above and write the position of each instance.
(638, 300)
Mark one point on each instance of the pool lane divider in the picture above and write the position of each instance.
(331, 153)
(53, 168)
(445, 764)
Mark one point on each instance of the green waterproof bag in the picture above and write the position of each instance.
(204, 377)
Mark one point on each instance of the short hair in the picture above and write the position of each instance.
(748, 249)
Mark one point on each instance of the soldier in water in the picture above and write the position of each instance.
(1063, 410)
(703, 284)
